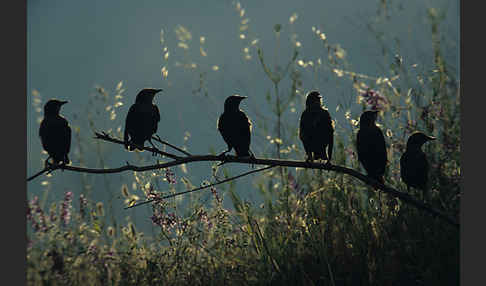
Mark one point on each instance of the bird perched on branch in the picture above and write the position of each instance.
(55, 133)
(235, 126)
(142, 120)
(316, 130)
(414, 167)
(371, 146)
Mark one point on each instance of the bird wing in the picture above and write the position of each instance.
(371, 148)
(223, 127)
(66, 136)
(316, 130)
(155, 118)
(129, 122)
(245, 127)
(43, 133)
(241, 134)
(302, 126)
(324, 126)
(235, 128)
(414, 169)
(156, 113)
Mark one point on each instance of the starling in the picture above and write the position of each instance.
(414, 167)
(142, 120)
(316, 130)
(371, 146)
(55, 133)
(235, 127)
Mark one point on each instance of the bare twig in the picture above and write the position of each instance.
(38, 174)
(107, 137)
(200, 188)
(158, 139)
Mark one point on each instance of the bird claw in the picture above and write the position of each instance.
(223, 154)
(47, 165)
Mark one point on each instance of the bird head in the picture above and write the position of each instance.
(368, 118)
(233, 102)
(313, 99)
(147, 95)
(53, 106)
(417, 139)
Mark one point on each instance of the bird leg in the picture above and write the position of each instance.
(252, 156)
(62, 165)
(328, 163)
(309, 158)
(154, 153)
(223, 154)
(47, 165)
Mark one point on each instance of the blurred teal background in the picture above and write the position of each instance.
(74, 46)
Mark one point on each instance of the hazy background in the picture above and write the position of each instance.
(74, 46)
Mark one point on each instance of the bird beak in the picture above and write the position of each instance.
(158, 90)
(430, 138)
(64, 102)
(241, 97)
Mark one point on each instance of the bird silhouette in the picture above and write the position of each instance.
(235, 127)
(414, 167)
(371, 146)
(316, 131)
(55, 133)
(142, 120)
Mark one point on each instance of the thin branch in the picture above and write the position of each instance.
(107, 137)
(272, 162)
(38, 174)
(158, 139)
(200, 188)
(254, 161)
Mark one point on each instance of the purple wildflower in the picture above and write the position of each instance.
(164, 221)
(34, 208)
(83, 205)
(374, 99)
(349, 151)
(292, 182)
(156, 218)
(31, 208)
(110, 255)
(216, 195)
(92, 249)
(203, 217)
(170, 176)
(66, 208)
(154, 196)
